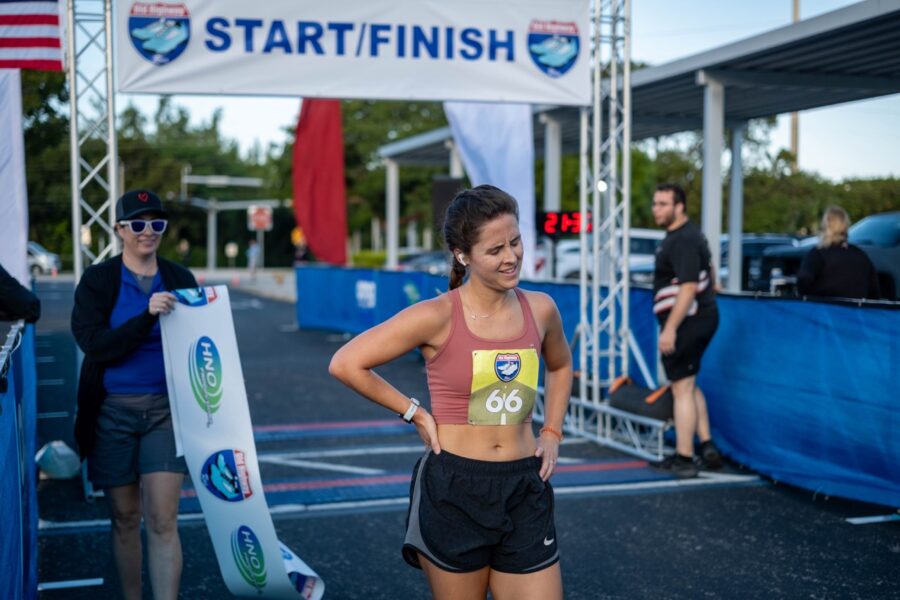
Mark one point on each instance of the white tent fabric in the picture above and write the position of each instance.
(496, 144)
(13, 196)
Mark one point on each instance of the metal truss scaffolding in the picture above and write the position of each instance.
(603, 336)
(92, 131)
(92, 137)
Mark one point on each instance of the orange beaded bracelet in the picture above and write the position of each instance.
(553, 432)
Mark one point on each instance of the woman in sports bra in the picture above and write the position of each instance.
(481, 504)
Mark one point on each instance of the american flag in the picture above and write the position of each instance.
(30, 35)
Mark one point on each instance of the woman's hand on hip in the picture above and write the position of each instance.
(161, 303)
(427, 429)
(548, 452)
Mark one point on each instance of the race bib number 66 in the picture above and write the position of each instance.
(504, 386)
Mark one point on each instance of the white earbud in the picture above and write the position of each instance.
(459, 257)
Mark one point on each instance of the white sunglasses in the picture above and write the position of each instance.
(137, 226)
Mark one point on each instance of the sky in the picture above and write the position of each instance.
(859, 139)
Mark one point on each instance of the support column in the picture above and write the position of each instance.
(211, 235)
(392, 208)
(376, 234)
(552, 163)
(713, 132)
(261, 242)
(736, 212)
(456, 167)
(412, 235)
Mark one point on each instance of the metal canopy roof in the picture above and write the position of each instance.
(842, 56)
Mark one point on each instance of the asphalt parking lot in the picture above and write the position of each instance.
(336, 472)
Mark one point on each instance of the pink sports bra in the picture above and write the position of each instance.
(481, 381)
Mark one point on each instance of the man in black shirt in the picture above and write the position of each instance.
(684, 302)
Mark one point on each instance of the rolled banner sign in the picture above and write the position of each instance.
(209, 404)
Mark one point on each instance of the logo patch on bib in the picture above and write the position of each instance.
(507, 366)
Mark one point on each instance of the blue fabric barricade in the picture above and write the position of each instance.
(18, 478)
(799, 391)
(643, 325)
(352, 300)
(806, 393)
(644, 330)
(11, 529)
(26, 369)
(335, 298)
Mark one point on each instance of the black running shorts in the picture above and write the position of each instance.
(134, 437)
(467, 514)
(691, 341)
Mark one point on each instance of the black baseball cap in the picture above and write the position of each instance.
(137, 202)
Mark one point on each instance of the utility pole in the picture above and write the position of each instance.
(795, 117)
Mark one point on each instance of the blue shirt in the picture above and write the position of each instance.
(143, 371)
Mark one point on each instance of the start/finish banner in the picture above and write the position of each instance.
(214, 433)
(530, 51)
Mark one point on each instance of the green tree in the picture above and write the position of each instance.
(46, 129)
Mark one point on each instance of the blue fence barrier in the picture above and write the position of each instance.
(352, 300)
(18, 477)
(798, 391)
(807, 394)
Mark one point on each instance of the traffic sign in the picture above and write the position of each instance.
(259, 218)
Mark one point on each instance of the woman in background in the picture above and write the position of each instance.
(836, 268)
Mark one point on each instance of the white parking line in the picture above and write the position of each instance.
(875, 519)
(291, 509)
(703, 479)
(343, 452)
(51, 381)
(372, 451)
(318, 465)
(72, 583)
(252, 303)
(53, 415)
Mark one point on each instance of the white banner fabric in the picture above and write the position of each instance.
(13, 194)
(496, 144)
(214, 433)
(534, 51)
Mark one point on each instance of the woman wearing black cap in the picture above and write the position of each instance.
(124, 427)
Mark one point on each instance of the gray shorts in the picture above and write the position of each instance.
(134, 437)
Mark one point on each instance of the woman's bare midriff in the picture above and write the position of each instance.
(488, 442)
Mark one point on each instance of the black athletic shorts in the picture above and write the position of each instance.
(467, 514)
(134, 437)
(691, 340)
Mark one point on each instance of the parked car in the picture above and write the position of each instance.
(877, 235)
(753, 246)
(436, 262)
(641, 251)
(41, 261)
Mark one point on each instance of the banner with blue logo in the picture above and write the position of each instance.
(214, 433)
(535, 52)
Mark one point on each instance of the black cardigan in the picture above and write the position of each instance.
(16, 301)
(95, 299)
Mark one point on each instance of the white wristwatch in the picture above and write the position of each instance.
(413, 407)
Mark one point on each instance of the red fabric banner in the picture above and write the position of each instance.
(320, 199)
